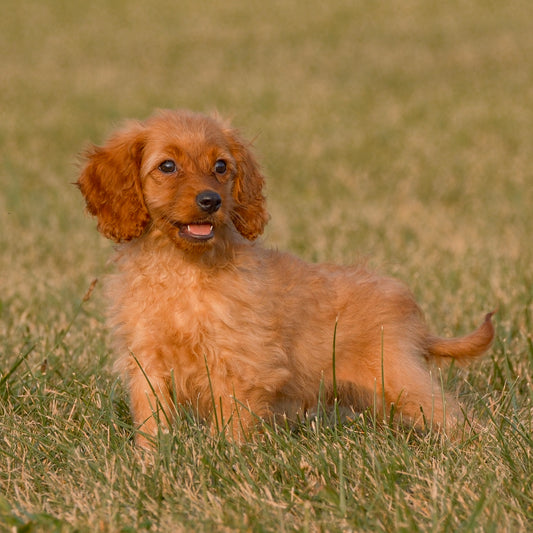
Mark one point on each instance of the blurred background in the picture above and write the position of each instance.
(397, 131)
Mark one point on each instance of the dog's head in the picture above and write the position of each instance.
(183, 173)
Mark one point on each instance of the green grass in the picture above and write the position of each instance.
(400, 131)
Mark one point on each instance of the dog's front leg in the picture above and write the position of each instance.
(236, 411)
(150, 406)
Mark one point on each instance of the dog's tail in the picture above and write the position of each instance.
(463, 349)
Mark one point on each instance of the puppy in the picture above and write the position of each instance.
(204, 316)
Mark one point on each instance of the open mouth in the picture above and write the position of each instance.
(200, 231)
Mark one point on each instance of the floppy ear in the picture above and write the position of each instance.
(249, 214)
(110, 183)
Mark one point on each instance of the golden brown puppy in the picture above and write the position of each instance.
(204, 316)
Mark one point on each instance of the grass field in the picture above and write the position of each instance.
(400, 131)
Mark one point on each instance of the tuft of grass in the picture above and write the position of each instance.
(397, 131)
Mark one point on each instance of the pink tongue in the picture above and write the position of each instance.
(199, 229)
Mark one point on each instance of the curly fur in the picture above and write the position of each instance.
(235, 330)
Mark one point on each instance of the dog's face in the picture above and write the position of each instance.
(185, 174)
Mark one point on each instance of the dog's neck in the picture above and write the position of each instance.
(221, 254)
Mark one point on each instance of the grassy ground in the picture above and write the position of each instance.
(398, 130)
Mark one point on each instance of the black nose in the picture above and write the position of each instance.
(209, 201)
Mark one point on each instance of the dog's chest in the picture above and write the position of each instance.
(186, 305)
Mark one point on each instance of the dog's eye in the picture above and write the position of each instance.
(168, 166)
(220, 167)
